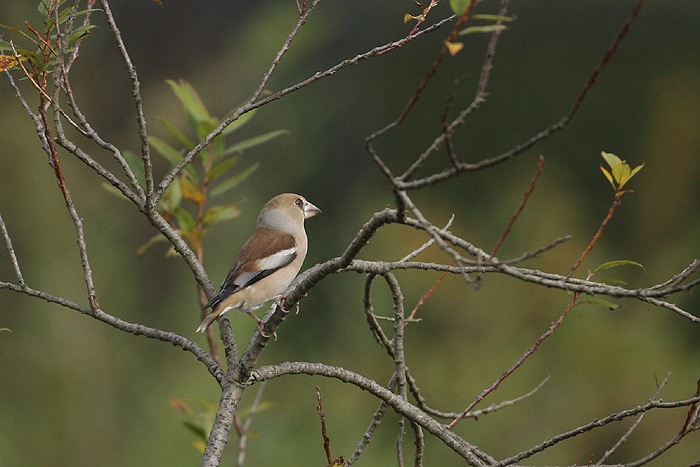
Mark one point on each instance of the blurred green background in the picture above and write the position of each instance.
(75, 392)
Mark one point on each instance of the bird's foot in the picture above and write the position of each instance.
(261, 326)
(281, 302)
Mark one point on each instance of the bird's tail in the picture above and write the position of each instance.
(206, 322)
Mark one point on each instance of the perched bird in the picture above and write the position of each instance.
(269, 260)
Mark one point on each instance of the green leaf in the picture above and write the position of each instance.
(600, 302)
(191, 101)
(175, 132)
(254, 141)
(171, 154)
(216, 214)
(232, 182)
(135, 163)
(222, 167)
(459, 6)
(492, 17)
(617, 263)
(80, 32)
(204, 127)
(184, 219)
(43, 9)
(152, 241)
(483, 29)
(239, 122)
(114, 190)
(609, 176)
(172, 198)
(20, 32)
(620, 172)
(199, 431)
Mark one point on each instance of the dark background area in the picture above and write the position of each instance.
(76, 392)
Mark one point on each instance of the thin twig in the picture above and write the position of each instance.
(11, 251)
(521, 207)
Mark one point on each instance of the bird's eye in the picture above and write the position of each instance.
(299, 202)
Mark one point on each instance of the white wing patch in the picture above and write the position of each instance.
(276, 260)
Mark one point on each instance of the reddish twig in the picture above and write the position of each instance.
(599, 232)
(529, 352)
(526, 197)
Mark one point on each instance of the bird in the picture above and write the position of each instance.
(268, 262)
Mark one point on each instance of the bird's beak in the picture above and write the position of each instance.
(310, 210)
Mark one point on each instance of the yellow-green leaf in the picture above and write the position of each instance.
(164, 149)
(191, 192)
(610, 158)
(492, 17)
(216, 214)
(255, 141)
(617, 263)
(222, 167)
(193, 104)
(459, 6)
(184, 219)
(171, 198)
(483, 29)
(232, 182)
(175, 131)
(239, 122)
(152, 241)
(608, 176)
(453, 48)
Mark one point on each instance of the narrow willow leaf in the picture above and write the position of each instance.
(152, 241)
(239, 122)
(112, 189)
(483, 29)
(255, 141)
(171, 154)
(175, 131)
(80, 32)
(492, 17)
(206, 126)
(232, 182)
(197, 430)
(184, 219)
(193, 104)
(171, 199)
(617, 263)
(216, 214)
(135, 163)
(222, 167)
(20, 32)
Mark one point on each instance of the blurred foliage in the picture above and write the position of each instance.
(53, 13)
(206, 178)
(102, 396)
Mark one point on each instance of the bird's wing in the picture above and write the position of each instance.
(264, 253)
